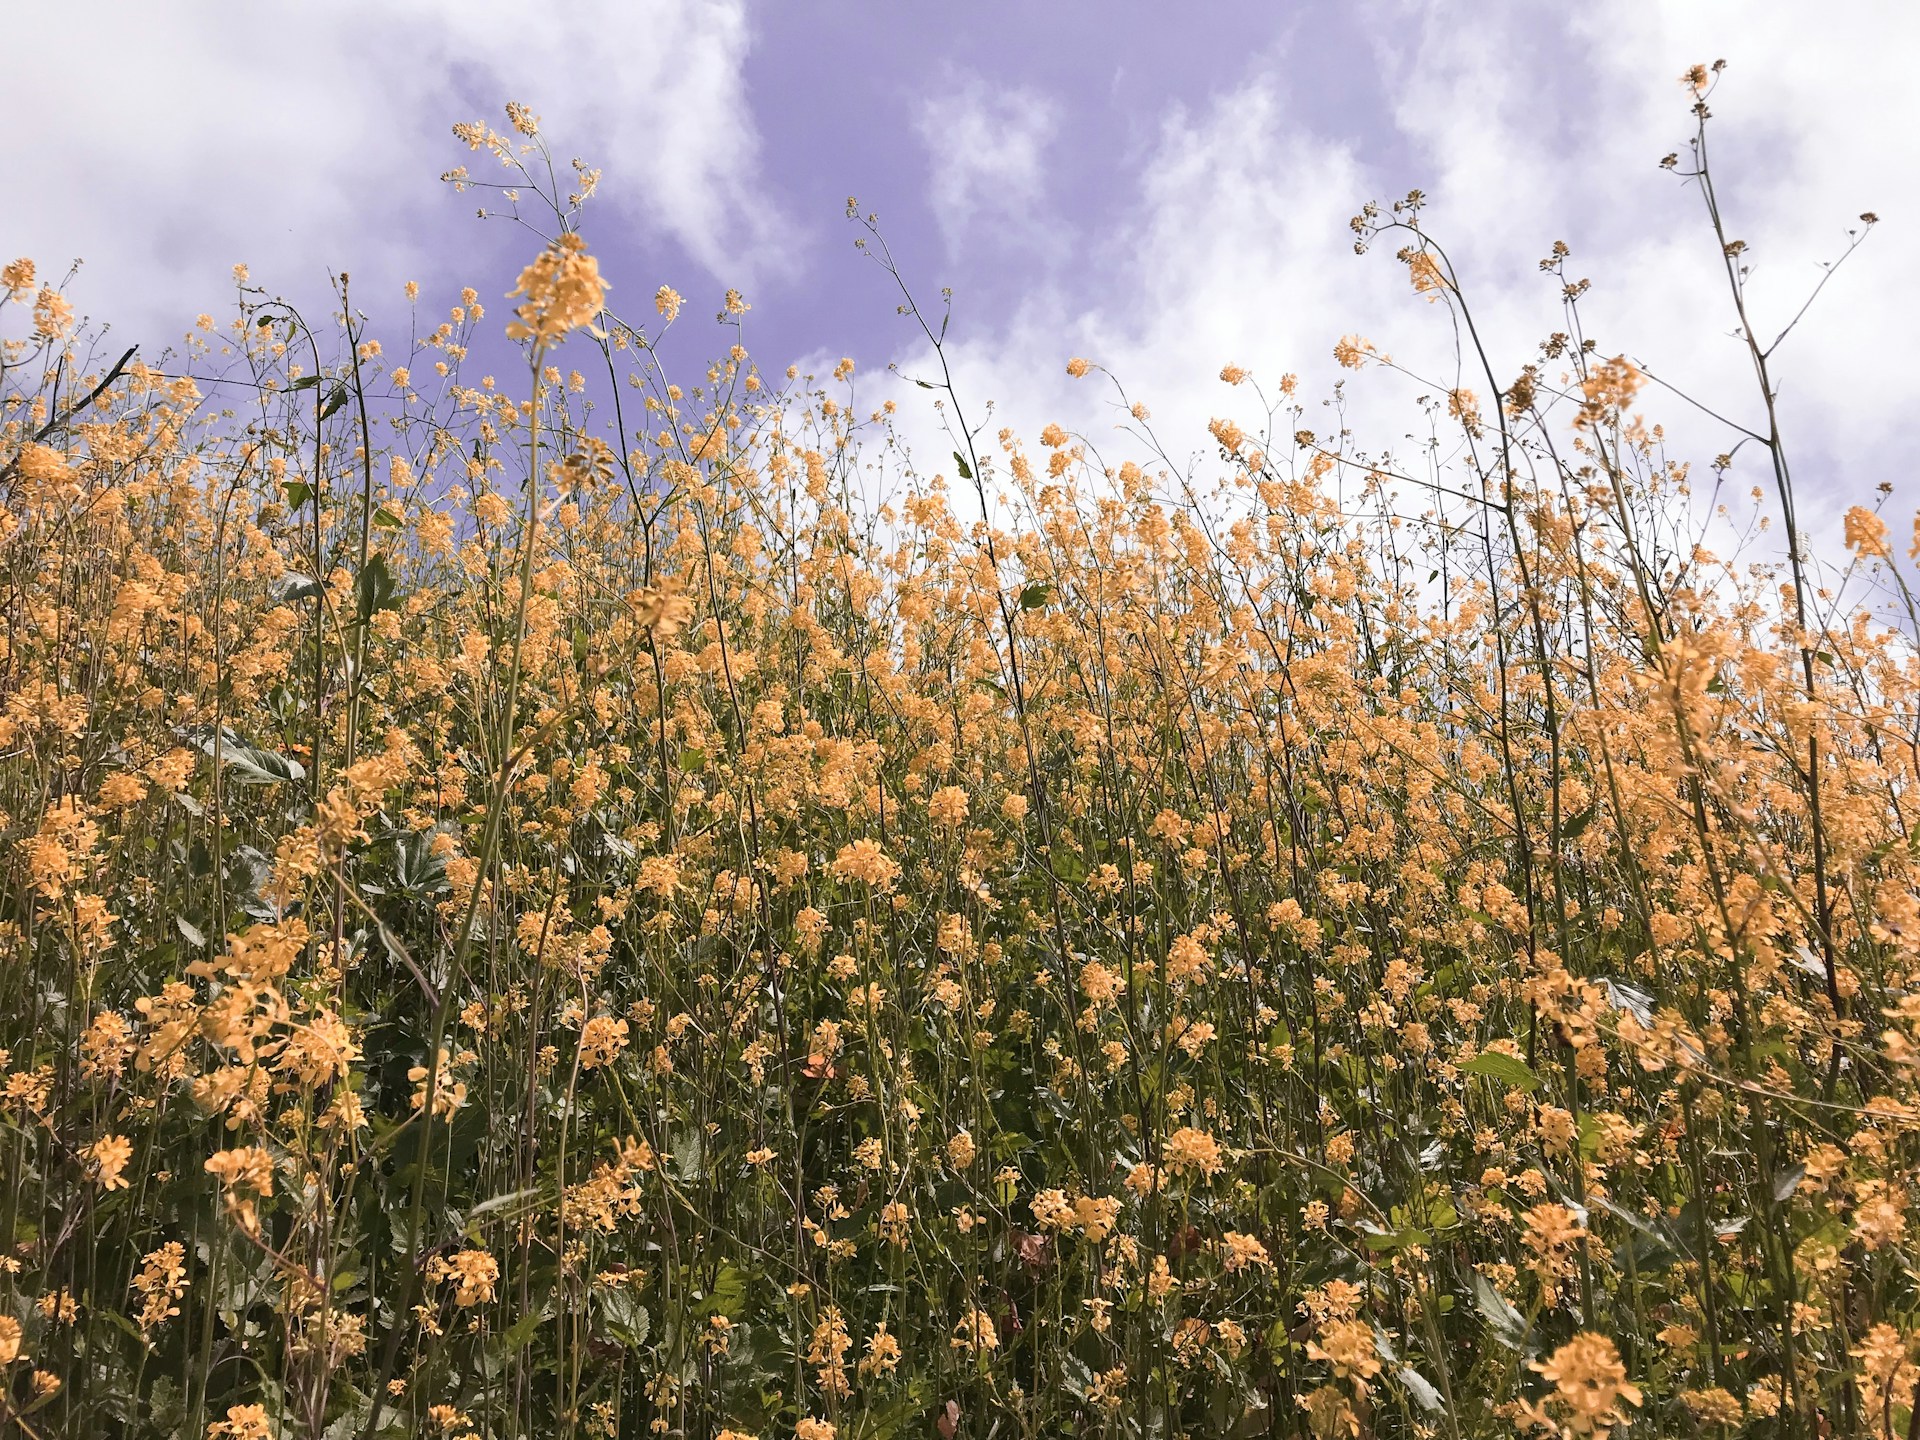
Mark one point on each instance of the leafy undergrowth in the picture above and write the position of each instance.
(663, 948)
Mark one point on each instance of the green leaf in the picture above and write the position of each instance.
(373, 587)
(1504, 1069)
(966, 473)
(1035, 596)
(1383, 1241)
(298, 492)
(729, 1294)
(521, 1331)
(1589, 1137)
(335, 401)
(192, 934)
(246, 765)
(1508, 1324)
(493, 1204)
(305, 382)
(1786, 1182)
(386, 519)
(627, 1319)
(1576, 825)
(1421, 1389)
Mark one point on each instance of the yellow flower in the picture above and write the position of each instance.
(1239, 1251)
(947, 807)
(864, 860)
(16, 277)
(1348, 1346)
(601, 1040)
(109, 1157)
(1192, 1151)
(975, 1333)
(243, 1422)
(1589, 1384)
(473, 1273)
(563, 291)
(1866, 532)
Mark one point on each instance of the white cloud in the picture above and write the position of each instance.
(299, 138)
(986, 149)
(1237, 248)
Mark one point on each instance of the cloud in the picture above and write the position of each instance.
(180, 138)
(986, 149)
(1528, 127)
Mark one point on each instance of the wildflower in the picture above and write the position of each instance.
(1713, 1406)
(248, 1168)
(1187, 961)
(1192, 1151)
(1610, 387)
(1230, 435)
(450, 1095)
(828, 1351)
(243, 1422)
(1352, 352)
(1552, 1232)
(1879, 1215)
(975, 1333)
(1240, 1251)
(473, 1273)
(883, 1353)
(1077, 367)
(109, 1156)
(10, 1334)
(601, 1040)
(1425, 273)
(894, 1219)
(16, 277)
(1348, 1346)
(1866, 532)
(947, 807)
(563, 291)
(1590, 1384)
(1099, 984)
(1884, 1365)
(1329, 1415)
(52, 315)
(162, 1281)
(865, 861)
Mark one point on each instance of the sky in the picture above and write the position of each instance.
(1163, 189)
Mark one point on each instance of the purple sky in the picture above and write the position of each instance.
(840, 85)
(1164, 190)
(837, 92)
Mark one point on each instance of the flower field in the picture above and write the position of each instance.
(530, 907)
